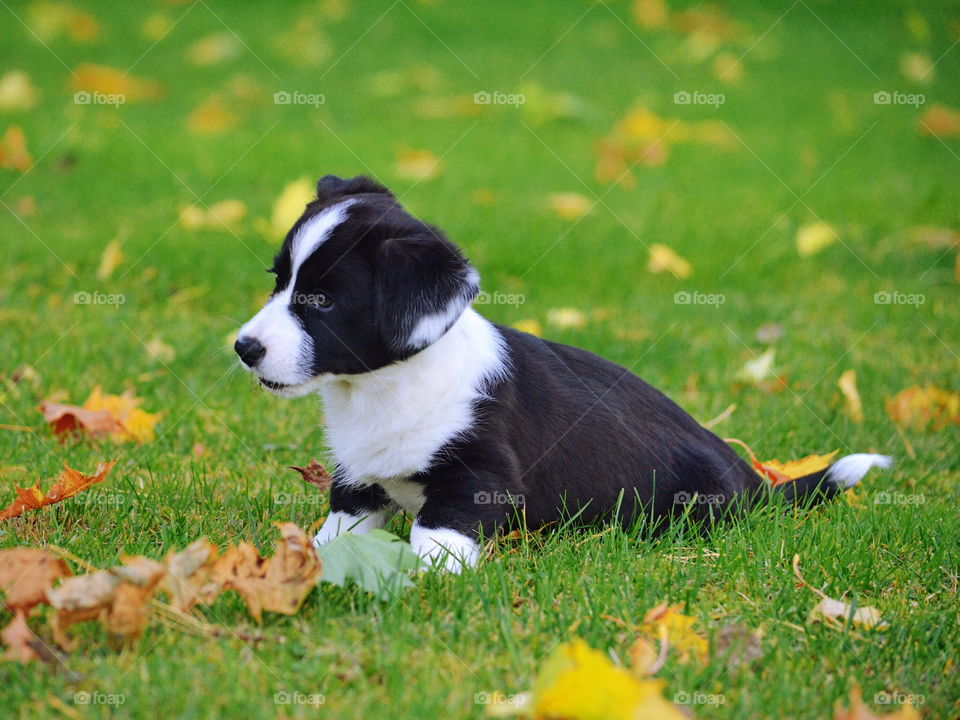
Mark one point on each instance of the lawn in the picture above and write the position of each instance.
(783, 132)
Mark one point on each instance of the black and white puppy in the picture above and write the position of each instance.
(467, 425)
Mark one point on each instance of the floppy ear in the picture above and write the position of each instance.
(423, 286)
(331, 186)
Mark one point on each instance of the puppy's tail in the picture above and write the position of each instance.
(833, 480)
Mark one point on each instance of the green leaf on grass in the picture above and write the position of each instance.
(378, 562)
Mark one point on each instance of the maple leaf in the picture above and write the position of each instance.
(778, 473)
(25, 576)
(315, 474)
(924, 408)
(118, 417)
(67, 485)
(13, 150)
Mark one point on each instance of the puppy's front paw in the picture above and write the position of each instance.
(338, 523)
(444, 548)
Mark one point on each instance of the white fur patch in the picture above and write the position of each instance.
(849, 470)
(389, 423)
(444, 548)
(338, 523)
(289, 349)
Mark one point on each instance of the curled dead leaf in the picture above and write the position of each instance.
(315, 474)
(67, 485)
(25, 576)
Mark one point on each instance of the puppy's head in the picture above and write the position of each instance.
(360, 284)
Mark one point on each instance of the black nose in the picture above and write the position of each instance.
(249, 350)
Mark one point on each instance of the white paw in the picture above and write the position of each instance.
(338, 523)
(444, 548)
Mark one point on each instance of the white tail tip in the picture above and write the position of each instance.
(849, 470)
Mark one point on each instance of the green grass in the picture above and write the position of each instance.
(804, 112)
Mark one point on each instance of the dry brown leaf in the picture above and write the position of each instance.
(848, 386)
(13, 150)
(835, 614)
(67, 485)
(188, 574)
(25, 576)
(118, 417)
(858, 711)
(139, 577)
(315, 474)
(19, 639)
(109, 81)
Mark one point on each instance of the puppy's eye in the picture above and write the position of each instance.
(320, 300)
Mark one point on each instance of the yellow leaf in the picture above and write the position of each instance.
(924, 408)
(289, 206)
(225, 214)
(666, 622)
(109, 260)
(92, 78)
(569, 205)
(530, 326)
(160, 351)
(17, 91)
(13, 150)
(156, 26)
(758, 369)
(417, 164)
(779, 472)
(814, 237)
(136, 424)
(917, 67)
(566, 318)
(649, 13)
(210, 117)
(664, 259)
(848, 386)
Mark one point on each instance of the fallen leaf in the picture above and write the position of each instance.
(378, 562)
(759, 368)
(778, 473)
(848, 386)
(417, 165)
(213, 49)
(109, 260)
(940, 121)
(569, 205)
(936, 238)
(315, 474)
(667, 622)
(67, 485)
(49, 20)
(814, 237)
(924, 408)
(856, 710)
(649, 13)
(211, 117)
(728, 68)
(530, 326)
(109, 81)
(289, 206)
(13, 150)
(566, 318)
(188, 574)
(917, 67)
(19, 639)
(277, 584)
(736, 646)
(25, 576)
(224, 215)
(17, 91)
(664, 259)
(156, 26)
(160, 351)
(835, 614)
(118, 417)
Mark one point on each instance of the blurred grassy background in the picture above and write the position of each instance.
(798, 139)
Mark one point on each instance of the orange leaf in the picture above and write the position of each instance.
(13, 150)
(118, 417)
(25, 576)
(778, 473)
(67, 485)
(941, 122)
(924, 408)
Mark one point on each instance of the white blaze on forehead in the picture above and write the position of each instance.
(312, 234)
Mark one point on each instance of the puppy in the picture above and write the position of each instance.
(467, 425)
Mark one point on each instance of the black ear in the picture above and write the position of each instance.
(331, 186)
(424, 283)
